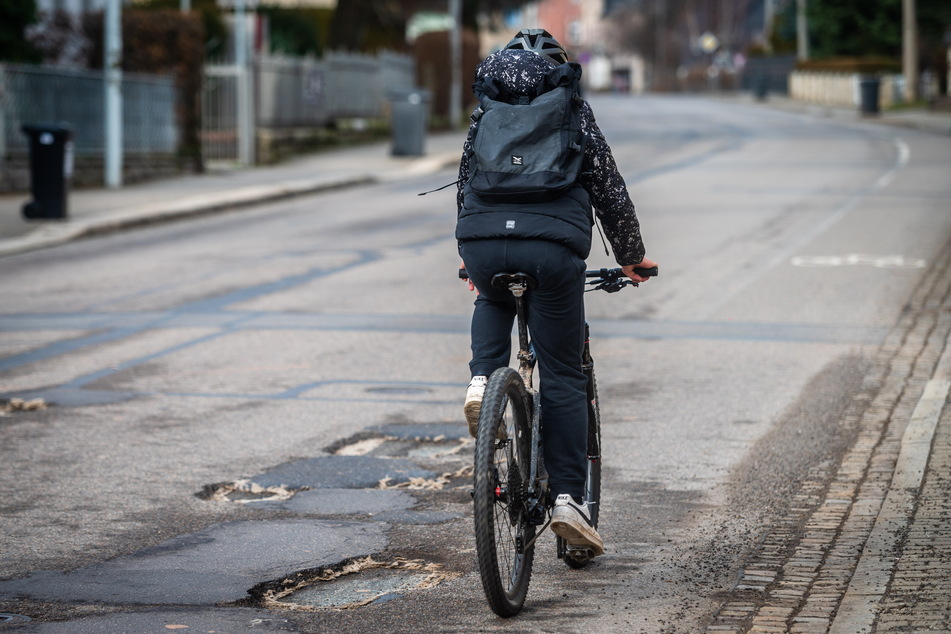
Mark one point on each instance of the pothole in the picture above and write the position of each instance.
(431, 449)
(21, 405)
(322, 472)
(428, 484)
(437, 448)
(353, 584)
(245, 491)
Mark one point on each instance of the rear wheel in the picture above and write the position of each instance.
(592, 487)
(502, 466)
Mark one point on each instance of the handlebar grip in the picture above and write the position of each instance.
(463, 275)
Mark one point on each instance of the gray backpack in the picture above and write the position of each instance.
(527, 149)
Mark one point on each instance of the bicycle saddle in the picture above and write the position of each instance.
(502, 281)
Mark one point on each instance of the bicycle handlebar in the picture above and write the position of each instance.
(613, 280)
(618, 273)
(608, 280)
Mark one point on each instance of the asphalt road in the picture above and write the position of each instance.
(321, 344)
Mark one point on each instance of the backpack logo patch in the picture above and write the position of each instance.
(516, 160)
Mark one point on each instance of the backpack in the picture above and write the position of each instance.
(527, 149)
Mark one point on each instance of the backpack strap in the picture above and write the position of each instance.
(568, 74)
(491, 89)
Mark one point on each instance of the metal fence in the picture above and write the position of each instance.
(292, 92)
(219, 113)
(303, 91)
(289, 93)
(41, 94)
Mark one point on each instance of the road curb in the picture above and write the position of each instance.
(192, 206)
(857, 611)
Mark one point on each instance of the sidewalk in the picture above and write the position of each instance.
(922, 119)
(93, 211)
(887, 566)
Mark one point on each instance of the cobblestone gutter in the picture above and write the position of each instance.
(866, 544)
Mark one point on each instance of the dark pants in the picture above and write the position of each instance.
(556, 324)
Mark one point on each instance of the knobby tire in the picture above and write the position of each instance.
(502, 466)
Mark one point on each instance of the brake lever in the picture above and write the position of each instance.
(610, 285)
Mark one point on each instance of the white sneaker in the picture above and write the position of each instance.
(572, 522)
(474, 402)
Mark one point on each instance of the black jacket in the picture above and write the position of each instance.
(520, 71)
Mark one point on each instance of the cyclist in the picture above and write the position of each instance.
(554, 255)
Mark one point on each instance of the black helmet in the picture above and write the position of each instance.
(541, 42)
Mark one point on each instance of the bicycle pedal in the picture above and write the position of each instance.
(579, 553)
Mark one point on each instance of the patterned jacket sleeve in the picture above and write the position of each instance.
(609, 195)
(464, 167)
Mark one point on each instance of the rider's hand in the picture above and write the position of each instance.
(643, 264)
(469, 281)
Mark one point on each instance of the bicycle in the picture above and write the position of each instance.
(510, 494)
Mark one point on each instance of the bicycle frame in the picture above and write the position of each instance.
(609, 280)
(537, 489)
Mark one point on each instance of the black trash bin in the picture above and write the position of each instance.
(410, 115)
(868, 91)
(51, 167)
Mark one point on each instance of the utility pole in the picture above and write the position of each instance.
(245, 102)
(802, 31)
(112, 74)
(909, 59)
(660, 44)
(455, 57)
